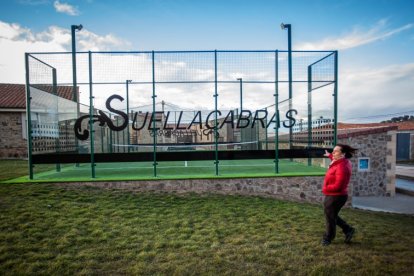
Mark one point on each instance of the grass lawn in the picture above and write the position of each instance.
(12, 168)
(54, 230)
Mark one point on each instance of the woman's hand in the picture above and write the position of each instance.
(326, 153)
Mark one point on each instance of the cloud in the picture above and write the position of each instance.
(15, 32)
(356, 38)
(372, 91)
(15, 40)
(66, 8)
(362, 91)
(89, 41)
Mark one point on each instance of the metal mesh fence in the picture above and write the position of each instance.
(190, 101)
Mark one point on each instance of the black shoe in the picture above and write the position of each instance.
(349, 235)
(325, 242)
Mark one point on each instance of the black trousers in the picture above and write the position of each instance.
(332, 206)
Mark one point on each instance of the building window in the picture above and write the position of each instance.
(364, 164)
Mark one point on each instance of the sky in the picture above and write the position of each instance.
(374, 39)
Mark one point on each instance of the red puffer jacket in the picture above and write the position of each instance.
(337, 177)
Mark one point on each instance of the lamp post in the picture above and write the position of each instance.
(289, 29)
(241, 105)
(241, 94)
(74, 92)
(127, 82)
(73, 29)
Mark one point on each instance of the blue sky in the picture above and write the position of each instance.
(375, 39)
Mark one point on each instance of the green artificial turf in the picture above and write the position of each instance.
(169, 170)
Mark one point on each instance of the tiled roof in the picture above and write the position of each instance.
(344, 131)
(14, 95)
(406, 125)
(362, 131)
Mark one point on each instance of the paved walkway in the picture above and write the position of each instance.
(400, 203)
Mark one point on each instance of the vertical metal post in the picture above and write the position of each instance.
(215, 108)
(276, 95)
(241, 109)
(289, 29)
(102, 139)
(57, 114)
(117, 135)
(136, 134)
(110, 136)
(29, 118)
(108, 139)
(91, 117)
(74, 94)
(266, 131)
(290, 77)
(241, 94)
(127, 98)
(290, 59)
(336, 99)
(153, 114)
(123, 140)
(309, 111)
(74, 87)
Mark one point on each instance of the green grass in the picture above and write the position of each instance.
(53, 229)
(168, 170)
(12, 168)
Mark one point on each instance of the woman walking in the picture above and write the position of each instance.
(335, 189)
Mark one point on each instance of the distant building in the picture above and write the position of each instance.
(379, 146)
(404, 138)
(13, 124)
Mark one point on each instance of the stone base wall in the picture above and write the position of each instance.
(12, 144)
(381, 149)
(300, 189)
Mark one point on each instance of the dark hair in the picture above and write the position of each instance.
(347, 150)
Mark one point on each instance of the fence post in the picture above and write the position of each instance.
(110, 136)
(153, 115)
(29, 118)
(102, 139)
(117, 135)
(127, 98)
(309, 111)
(55, 92)
(336, 99)
(276, 95)
(91, 117)
(216, 162)
(266, 132)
